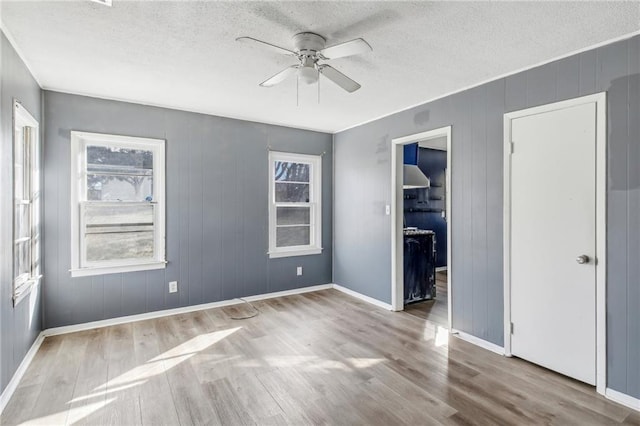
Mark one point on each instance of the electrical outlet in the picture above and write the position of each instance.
(173, 286)
(299, 270)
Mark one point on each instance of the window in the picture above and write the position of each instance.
(295, 213)
(117, 204)
(26, 205)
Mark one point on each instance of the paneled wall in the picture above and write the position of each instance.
(362, 246)
(19, 325)
(217, 235)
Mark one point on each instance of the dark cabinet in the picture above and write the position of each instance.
(419, 265)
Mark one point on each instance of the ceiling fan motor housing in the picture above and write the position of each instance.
(308, 43)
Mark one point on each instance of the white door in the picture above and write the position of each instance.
(553, 224)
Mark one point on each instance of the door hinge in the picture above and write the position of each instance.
(512, 145)
(511, 328)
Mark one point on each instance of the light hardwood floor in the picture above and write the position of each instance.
(316, 358)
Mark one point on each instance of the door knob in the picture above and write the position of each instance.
(582, 259)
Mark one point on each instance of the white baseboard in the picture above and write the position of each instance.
(288, 292)
(623, 398)
(17, 376)
(168, 312)
(363, 297)
(478, 342)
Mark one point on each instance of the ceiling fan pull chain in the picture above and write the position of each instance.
(297, 90)
(318, 87)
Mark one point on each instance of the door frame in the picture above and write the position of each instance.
(601, 223)
(397, 205)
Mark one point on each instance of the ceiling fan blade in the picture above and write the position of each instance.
(338, 78)
(348, 48)
(269, 45)
(280, 77)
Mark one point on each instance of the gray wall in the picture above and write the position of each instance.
(362, 247)
(20, 325)
(217, 224)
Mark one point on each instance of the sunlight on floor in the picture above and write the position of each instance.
(442, 336)
(364, 362)
(170, 358)
(106, 392)
(134, 377)
(437, 333)
(68, 416)
(311, 362)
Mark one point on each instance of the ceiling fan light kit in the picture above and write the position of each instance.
(310, 48)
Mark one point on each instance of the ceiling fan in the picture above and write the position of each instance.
(309, 48)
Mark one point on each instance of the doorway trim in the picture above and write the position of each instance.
(397, 206)
(601, 223)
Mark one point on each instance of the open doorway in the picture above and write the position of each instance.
(421, 212)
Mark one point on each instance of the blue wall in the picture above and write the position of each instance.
(19, 325)
(217, 211)
(362, 238)
(423, 207)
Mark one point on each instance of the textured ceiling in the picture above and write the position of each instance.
(184, 55)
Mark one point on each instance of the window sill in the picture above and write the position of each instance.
(32, 285)
(297, 252)
(102, 270)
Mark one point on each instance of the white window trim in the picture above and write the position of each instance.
(79, 140)
(315, 201)
(22, 118)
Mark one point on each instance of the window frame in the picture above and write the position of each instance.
(314, 204)
(79, 142)
(25, 283)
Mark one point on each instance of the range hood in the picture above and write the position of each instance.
(413, 176)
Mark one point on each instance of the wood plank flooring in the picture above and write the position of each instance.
(315, 358)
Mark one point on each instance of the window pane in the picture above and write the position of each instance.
(35, 256)
(292, 236)
(106, 215)
(18, 168)
(18, 183)
(119, 174)
(292, 192)
(291, 172)
(22, 222)
(103, 187)
(121, 160)
(22, 262)
(293, 215)
(116, 232)
(119, 246)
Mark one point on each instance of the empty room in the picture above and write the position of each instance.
(319, 212)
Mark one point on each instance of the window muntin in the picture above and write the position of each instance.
(294, 214)
(119, 204)
(26, 203)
